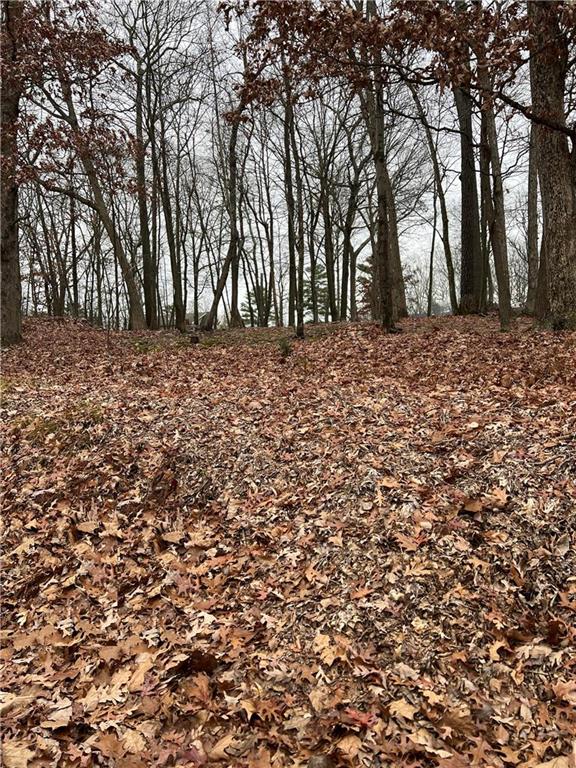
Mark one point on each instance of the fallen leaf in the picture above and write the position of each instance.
(16, 754)
(133, 741)
(556, 762)
(10, 701)
(144, 663)
(60, 715)
(402, 708)
(349, 745)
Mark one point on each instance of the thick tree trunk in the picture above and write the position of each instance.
(11, 315)
(398, 288)
(541, 302)
(372, 103)
(471, 254)
(148, 266)
(290, 205)
(532, 244)
(175, 267)
(556, 167)
(382, 271)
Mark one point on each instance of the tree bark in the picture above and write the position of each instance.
(495, 202)
(471, 254)
(74, 256)
(348, 248)
(148, 266)
(398, 288)
(372, 102)
(232, 256)
(235, 316)
(382, 271)
(556, 167)
(175, 267)
(290, 205)
(532, 244)
(299, 242)
(432, 247)
(11, 315)
(328, 248)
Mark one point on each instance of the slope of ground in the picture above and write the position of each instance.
(359, 554)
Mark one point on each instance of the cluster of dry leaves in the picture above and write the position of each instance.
(361, 554)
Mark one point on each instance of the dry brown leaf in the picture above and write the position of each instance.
(60, 714)
(10, 701)
(389, 482)
(173, 537)
(566, 691)
(425, 739)
(349, 745)
(16, 754)
(226, 748)
(144, 663)
(557, 762)
(133, 741)
(402, 708)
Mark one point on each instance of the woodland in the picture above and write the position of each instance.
(288, 383)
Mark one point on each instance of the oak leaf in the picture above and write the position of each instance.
(15, 754)
(133, 741)
(349, 745)
(403, 708)
(60, 715)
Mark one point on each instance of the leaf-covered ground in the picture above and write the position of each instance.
(360, 554)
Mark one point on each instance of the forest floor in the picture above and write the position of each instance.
(361, 553)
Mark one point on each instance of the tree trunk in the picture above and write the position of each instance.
(179, 308)
(235, 316)
(11, 315)
(148, 266)
(74, 256)
(347, 247)
(209, 320)
(372, 103)
(290, 206)
(382, 271)
(137, 321)
(556, 166)
(300, 241)
(532, 244)
(353, 302)
(432, 247)
(398, 289)
(328, 249)
(485, 208)
(471, 253)
(495, 210)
